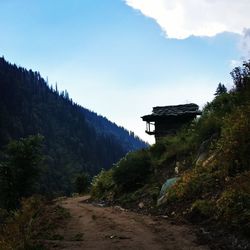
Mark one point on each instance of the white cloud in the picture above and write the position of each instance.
(245, 44)
(183, 18)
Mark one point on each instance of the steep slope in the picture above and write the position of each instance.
(74, 142)
(103, 126)
(201, 174)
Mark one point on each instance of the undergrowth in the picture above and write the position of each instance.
(27, 227)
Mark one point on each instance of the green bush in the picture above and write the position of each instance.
(18, 230)
(81, 183)
(202, 209)
(103, 185)
(194, 183)
(158, 149)
(234, 145)
(208, 125)
(211, 121)
(35, 221)
(179, 147)
(19, 170)
(233, 206)
(132, 171)
(182, 144)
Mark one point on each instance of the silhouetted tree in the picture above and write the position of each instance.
(221, 89)
(241, 76)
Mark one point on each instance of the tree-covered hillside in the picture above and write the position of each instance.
(104, 127)
(75, 139)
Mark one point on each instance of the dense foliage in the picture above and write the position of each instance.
(19, 170)
(75, 139)
(132, 171)
(211, 157)
(81, 183)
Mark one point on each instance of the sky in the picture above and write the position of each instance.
(120, 58)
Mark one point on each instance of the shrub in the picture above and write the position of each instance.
(132, 171)
(17, 232)
(182, 143)
(211, 121)
(174, 148)
(20, 170)
(35, 221)
(81, 183)
(202, 209)
(194, 183)
(158, 149)
(102, 184)
(234, 145)
(233, 206)
(207, 126)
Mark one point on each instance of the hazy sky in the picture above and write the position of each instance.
(120, 58)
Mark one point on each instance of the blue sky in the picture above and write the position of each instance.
(117, 58)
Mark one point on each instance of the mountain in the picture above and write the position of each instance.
(104, 127)
(75, 139)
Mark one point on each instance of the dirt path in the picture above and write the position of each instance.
(99, 228)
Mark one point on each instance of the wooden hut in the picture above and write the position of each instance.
(168, 120)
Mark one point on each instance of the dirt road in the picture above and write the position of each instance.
(106, 228)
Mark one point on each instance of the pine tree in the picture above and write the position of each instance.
(19, 170)
(221, 89)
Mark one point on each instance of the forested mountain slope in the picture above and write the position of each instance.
(104, 127)
(75, 139)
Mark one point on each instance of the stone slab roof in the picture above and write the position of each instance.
(172, 111)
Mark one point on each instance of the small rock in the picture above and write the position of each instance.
(119, 208)
(203, 231)
(177, 167)
(141, 205)
(173, 213)
(164, 216)
(100, 204)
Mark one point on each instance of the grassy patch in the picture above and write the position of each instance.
(35, 221)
